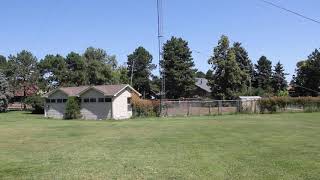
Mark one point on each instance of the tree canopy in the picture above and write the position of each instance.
(178, 68)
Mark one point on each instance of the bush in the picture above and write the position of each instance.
(274, 104)
(72, 108)
(145, 108)
(37, 103)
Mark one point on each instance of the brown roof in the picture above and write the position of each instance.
(107, 90)
(30, 91)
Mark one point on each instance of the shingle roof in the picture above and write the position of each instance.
(107, 90)
(203, 84)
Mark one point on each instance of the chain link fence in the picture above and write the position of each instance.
(217, 107)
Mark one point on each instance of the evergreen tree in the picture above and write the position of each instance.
(140, 64)
(245, 65)
(53, 72)
(263, 74)
(24, 72)
(279, 82)
(178, 68)
(76, 70)
(307, 80)
(3, 63)
(226, 81)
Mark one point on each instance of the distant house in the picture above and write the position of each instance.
(202, 88)
(27, 91)
(96, 102)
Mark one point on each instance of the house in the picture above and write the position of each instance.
(17, 101)
(202, 88)
(96, 102)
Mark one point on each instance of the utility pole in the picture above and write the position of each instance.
(132, 66)
(161, 70)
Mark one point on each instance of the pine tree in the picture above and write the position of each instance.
(226, 81)
(140, 64)
(178, 68)
(245, 65)
(279, 82)
(263, 74)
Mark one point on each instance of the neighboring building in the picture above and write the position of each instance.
(202, 88)
(97, 102)
(249, 103)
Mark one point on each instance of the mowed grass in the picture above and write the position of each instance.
(278, 146)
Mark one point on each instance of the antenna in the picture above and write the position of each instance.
(160, 44)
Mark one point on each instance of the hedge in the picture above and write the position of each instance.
(275, 104)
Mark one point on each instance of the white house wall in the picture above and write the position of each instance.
(120, 105)
(56, 110)
(95, 110)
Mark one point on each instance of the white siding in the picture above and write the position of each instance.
(56, 110)
(120, 105)
(95, 110)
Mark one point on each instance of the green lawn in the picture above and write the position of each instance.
(279, 146)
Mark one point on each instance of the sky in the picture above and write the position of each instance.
(120, 26)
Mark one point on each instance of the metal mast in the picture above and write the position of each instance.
(160, 43)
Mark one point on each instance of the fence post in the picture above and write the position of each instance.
(209, 108)
(219, 107)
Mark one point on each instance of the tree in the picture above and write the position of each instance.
(245, 65)
(24, 71)
(4, 93)
(53, 71)
(3, 63)
(139, 67)
(209, 74)
(178, 68)
(200, 74)
(72, 108)
(307, 79)
(226, 81)
(99, 66)
(279, 82)
(263, 74)
(76, 70)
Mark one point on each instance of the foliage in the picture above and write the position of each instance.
(76, 70)
(263, 74)
(275, 104)
(72, 108)
(140, 64)
(144, 108)
(37, 103)
(23, 70)
(227, 78)
(200, 74)
(279, 82)
(4, 93)
(245, 65)
(209, 74)
(307, 79)
(3, 63)
(178, 69)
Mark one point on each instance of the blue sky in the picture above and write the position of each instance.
(120, 26)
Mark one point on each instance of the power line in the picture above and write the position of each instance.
(290, 11)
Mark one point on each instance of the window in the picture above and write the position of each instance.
(53, 101)
(93, 100)
(64, 100)
(129, 104)
(86, 100)
(100, 100)
(59, 100)
(107, 100)
(47, 100)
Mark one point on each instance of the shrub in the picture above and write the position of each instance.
(144, 108)
(274, 104)
(37, 103)
(72, 108)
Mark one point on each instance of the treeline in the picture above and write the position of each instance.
(232, 72)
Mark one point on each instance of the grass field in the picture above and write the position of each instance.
(279, 146)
